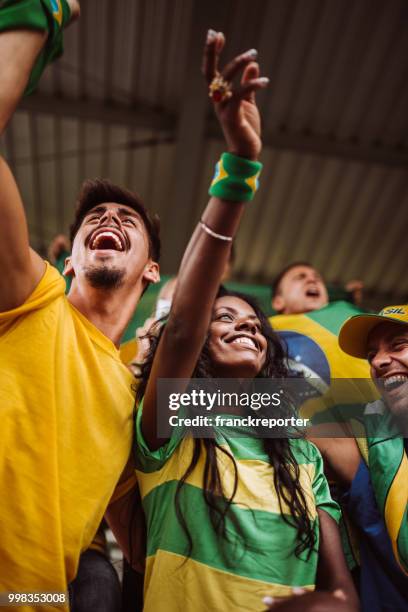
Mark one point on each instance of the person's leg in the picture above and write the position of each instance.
(132, 589)
(96, 587)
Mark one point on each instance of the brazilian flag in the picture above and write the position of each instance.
(334, 378)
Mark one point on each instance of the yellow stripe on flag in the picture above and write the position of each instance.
(395, 506)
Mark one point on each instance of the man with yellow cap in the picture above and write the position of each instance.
(374, 472)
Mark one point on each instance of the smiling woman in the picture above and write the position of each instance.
(237, 344)
(209, 481)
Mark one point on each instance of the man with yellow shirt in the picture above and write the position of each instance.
(66, 398)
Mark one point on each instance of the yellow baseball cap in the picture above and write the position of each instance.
(354, 332)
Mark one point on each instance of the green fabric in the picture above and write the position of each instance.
(260, 544)
(347, 541)
(148, 460)
(333, 315)
(239, 166)
(235, 178)
(37, 15)
(256, 553)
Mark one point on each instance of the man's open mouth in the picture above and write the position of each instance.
(312, 292)
(107, 240)
(394, 382)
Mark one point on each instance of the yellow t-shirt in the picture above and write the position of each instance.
(66, 413)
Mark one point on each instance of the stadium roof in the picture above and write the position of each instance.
(127, 101)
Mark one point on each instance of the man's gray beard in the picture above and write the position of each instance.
(105, 278)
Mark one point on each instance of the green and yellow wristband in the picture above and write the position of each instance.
(43, 15)
(235, 178)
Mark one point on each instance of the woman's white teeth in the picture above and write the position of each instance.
(244, 340)
(107, 236)
(396, 380)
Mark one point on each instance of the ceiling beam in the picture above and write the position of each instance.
(144, 117)
(326, 146)
(141, 116)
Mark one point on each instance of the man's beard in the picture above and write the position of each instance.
(105, 278)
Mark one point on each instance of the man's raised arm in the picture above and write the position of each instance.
(21, 268)
(23, 35)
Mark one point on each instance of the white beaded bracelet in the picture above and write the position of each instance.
(210, 232)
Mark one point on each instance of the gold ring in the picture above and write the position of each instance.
(219, 89)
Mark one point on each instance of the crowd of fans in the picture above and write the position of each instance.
(230, 520)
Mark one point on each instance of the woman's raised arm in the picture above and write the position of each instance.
(208, 251)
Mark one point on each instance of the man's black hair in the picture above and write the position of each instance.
(100, 191)
(278, 278)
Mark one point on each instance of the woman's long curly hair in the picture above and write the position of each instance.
(286, 472)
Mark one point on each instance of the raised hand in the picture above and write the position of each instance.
(235, 106)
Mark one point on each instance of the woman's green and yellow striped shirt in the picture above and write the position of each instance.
(258, 556)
